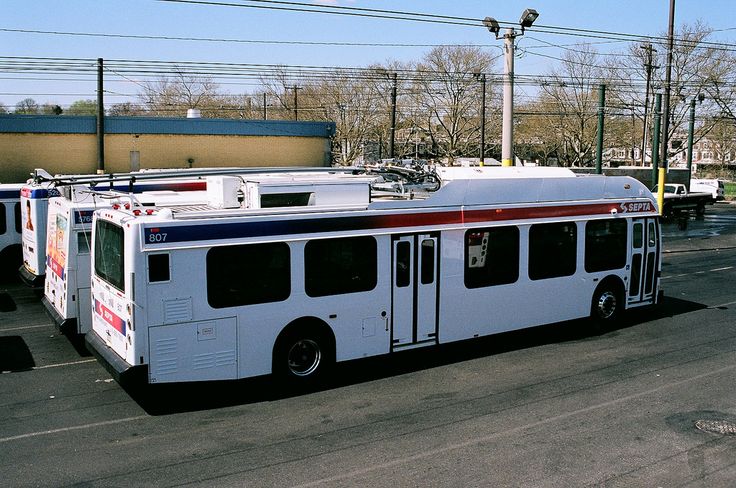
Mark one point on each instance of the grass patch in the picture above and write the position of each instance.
(730, 190)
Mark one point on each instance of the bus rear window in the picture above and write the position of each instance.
(109, 257)
(3, 224)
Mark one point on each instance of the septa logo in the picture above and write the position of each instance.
(635, 207)
(110, 317)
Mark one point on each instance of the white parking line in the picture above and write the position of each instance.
(74, 427)
(58, 365)
(681, 275)
(27, 327)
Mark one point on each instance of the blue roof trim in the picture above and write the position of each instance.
(73, 124)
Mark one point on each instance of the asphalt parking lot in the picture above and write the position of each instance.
(651, 403)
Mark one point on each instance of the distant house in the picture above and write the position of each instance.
(706, 152)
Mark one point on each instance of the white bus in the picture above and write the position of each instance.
(227, 294)
(69, 224)
(68, 233)
(10, 225)
(34, 202)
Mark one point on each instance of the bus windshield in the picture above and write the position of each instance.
(109, 260)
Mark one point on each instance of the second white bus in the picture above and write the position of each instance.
(197, 296)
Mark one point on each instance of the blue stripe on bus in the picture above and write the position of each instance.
(8, 194)
(239, 230)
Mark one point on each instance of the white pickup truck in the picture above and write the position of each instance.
(678, 199)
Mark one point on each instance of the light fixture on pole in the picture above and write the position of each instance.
(507, 137)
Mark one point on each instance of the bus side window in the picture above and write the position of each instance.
(552, 250)
(605, 245)
(3, 223)
(339, 266)
(491, 256)
(158, 268)
(248, 274)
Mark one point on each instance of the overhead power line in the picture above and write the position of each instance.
(228, 40)
(438, 19)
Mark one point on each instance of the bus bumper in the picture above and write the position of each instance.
(121, 371)
(65, 326)
(30, 279)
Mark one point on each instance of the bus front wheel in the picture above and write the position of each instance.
(607, 304)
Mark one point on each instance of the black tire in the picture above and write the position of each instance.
(666, 211)
(700, 210)
(607, 305)
(303, 356)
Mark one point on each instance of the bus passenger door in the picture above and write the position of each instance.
(644, 250)
(414, 278)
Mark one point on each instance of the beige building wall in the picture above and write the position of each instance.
(21, 153)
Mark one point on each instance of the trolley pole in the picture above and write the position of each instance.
(601, 114)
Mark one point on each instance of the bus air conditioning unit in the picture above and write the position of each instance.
(224, 191)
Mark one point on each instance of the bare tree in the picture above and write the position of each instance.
(126, 108)
(27, 106)
(571, 95)
(174, 95)
(446, 97)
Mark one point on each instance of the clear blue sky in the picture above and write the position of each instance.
(149, 17)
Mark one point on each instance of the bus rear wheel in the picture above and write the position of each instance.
(302, 356)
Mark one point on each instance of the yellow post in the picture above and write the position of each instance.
(660, 190)
(507, 162)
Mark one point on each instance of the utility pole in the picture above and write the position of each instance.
(100, 120)
(668, 89)
(392, 132)
(296, 103)
(507, 133)
(655, 149)
(648, 66)
(690, 137)
(666, 110)
(482, 118)
(265, 113)
(601, 118)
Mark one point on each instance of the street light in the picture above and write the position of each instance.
(528, 17)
